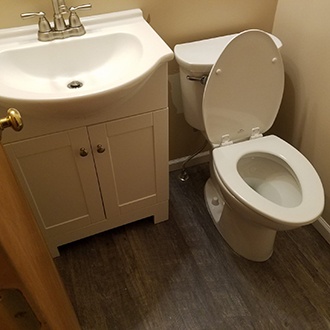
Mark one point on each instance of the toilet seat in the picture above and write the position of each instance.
(244, 89)
(226, 158)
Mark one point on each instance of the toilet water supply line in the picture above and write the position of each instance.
(184, 176)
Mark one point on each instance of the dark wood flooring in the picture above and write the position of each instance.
(180, 274)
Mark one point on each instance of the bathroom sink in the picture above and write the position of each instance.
(82, 74)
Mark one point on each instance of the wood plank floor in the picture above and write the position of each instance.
(180, 274)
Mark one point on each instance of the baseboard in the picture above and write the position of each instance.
(201, 158)
(323, 228)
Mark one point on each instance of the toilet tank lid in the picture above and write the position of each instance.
(199, 56)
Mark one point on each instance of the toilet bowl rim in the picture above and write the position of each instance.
(225, 161)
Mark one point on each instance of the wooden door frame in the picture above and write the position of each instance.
(26, 263)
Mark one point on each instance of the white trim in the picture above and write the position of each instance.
(176, 164)
(323, 228)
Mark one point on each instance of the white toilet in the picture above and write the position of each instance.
(232, 88)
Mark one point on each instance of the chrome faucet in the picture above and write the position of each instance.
(60, 9)
(60, 29)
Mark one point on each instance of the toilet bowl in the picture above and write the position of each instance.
(265, 185)
(258, 184)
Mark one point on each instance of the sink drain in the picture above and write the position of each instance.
(75, 84)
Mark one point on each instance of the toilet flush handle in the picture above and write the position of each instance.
(202, 79)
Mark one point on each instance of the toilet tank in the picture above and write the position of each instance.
(196, 60)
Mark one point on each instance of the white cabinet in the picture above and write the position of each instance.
(89, 179)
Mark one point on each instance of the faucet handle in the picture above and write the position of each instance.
(44, 25)
(30, 15)
(80, 7)
(74, 20)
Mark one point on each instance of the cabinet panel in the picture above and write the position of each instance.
(127, 170)
(133, 158)
(161, 139)
(53, 175)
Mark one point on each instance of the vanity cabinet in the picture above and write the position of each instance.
(95, 156)
(93, 178)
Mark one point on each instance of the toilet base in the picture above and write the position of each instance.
(244, 236)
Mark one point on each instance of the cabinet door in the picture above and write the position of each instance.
(133, 169)
(60, 184)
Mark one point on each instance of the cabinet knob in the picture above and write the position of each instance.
(83, 152)
(100, 149)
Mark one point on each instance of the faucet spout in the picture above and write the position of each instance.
(60, 7)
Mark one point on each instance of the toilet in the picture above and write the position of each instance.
(232, 88)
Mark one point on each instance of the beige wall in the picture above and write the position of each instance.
(304, 28)
(176, 21)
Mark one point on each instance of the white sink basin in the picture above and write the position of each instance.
(105, 66)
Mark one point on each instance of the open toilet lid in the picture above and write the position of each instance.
(244, 89)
